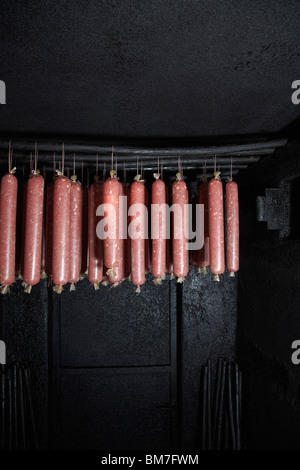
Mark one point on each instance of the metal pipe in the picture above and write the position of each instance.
(230, 407)
(237, 408)
(204, 408)
(31, 410)
(15, 406)
(3, 403)
(209, 404)
(10, 419)
(217, 393)
(22, 410)
(221, 406)
(209, 150)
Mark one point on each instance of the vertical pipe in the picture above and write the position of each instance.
(230, 407)
(208, 404)
(22, 410)
(217, 393)
(204, 408)
(3, 418)
(10, 422)
(221, 406)
(237, 408)
(31, 411)
(15, 407)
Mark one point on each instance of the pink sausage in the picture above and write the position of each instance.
(216, 227)
(194, 252)
(127, 240)
(84, 231)
(95, 267)
(117, 274)
(33, 231)
(49, 228)
(20, 228)
(8, 210)
(169, 254)
(203, 253)
(180, 241)
(137, 196)
(61, 232)
(232, 214)
(112, 244)
(75, 232)
(158, 223)
(147, 239)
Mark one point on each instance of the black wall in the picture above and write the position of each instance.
(269, 307)
(112, 369)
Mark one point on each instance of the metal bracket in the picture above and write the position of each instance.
(274, 208)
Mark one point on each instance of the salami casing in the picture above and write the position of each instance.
(33, 231)
(216, 227)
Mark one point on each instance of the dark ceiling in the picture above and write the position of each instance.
(149, 76)
(149, 68)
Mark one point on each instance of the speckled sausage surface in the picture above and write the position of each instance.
(232, 228)
(61, 232)
(194, 252)
(180, 241)
(127, 240)
(203, 253)
(158, 222)
(147, 238)
(49, 228)
(111, 192)
(20, 228)
(137, 196)
(117, 274)
(216, 227)
(75, 231)
(169, 254)
(8, 210)
(95, 265)
(84, 231)
(33, 231)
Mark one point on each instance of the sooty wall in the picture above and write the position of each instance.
(122, 370)
(269, 301)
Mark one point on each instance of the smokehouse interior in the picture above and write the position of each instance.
(183, 334)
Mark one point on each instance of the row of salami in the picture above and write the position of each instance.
(56, 231)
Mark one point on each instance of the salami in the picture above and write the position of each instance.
(20, 229)
(75, 231)
(158, 227)
(112, 243)
(137, 220)
(232, 227)
(194, 252)
(147, 238)
(95, 267)
(8, 210)
(49, 227)
(61, 233)
(180, 226)
(84, 232)
(169, 251)
(117, 274)
(216, 226)
(127, 239)
(203, 253)
(43, 260)
(33, 231)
